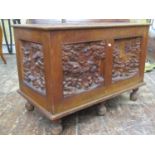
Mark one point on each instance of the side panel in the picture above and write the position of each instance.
(33, 66)
(32, 50)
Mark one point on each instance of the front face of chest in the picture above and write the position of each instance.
(93, 63)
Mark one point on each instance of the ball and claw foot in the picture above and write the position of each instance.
(29, 106)
(56, 128)
(101, 109)
(133, 95)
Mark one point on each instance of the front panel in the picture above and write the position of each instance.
(126, 58)
(83, 66)
(95, 63)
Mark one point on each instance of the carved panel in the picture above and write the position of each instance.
(33, 66)
(83, 65)
(126, 57)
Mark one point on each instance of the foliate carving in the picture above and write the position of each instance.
(82, 66)
(33, 66)
(126, 57)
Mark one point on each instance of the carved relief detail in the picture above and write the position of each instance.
(82, 63)
(33, 66)
(126, 57)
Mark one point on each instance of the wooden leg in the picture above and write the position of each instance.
(3, 59)
(101, 109)
(56, 127)
(1, 51)
(29, 106)
(133, 94)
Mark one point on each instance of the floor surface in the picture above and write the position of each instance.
(124, 117)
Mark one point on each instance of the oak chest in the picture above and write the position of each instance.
(65, 68)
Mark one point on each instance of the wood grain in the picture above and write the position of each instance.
(82, 64)
(126, 58)
(33, 66)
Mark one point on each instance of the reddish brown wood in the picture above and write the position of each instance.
(33, 66)
(82, 66)
(78, 63)
(126, 58)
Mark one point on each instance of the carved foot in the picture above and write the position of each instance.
(101, 109)
(56, 127)
(133, 94)
(29, 106)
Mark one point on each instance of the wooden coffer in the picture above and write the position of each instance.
(65, 68)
